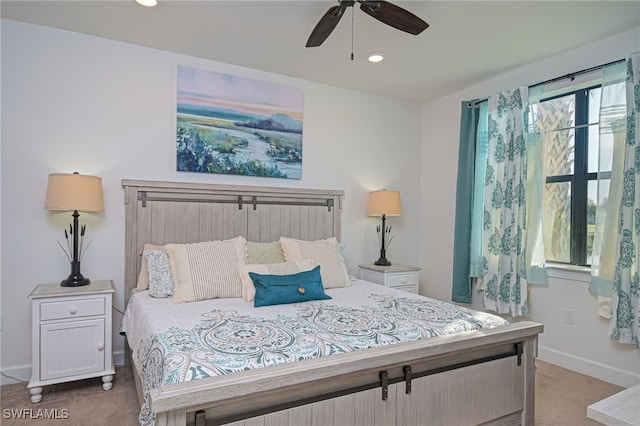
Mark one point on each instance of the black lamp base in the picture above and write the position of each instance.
(75, 281)
(383, 259)
(75, 278)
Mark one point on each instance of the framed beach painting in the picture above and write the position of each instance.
(233, 125)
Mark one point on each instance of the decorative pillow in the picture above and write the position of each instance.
(160, 276)
(143, 277)
(283, 268)
(324, 253)
(207, 270)
(264, 252)
(294, 288)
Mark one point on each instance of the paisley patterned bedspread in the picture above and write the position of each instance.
(174, 342)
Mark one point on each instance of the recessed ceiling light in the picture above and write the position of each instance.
(375, 57)
(147, 3)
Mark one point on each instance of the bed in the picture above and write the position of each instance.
(473, 376)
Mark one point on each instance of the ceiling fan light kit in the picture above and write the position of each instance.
(383, 11)
(147, 3)
(375, 57)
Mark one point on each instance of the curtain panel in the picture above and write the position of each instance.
(625, 295)
(477, 262)
(536, 176)
(461, 289)
(504, 218)
(611, 154)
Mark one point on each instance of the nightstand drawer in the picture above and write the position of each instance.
(400, 277)
(72, 308)
(401, 280)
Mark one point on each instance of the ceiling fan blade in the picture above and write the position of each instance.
(394, 16)
(325, 26)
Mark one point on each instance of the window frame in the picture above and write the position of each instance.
(580, 178)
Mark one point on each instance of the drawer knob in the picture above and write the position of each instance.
(403, 281)
(100, 346)
(73, 310)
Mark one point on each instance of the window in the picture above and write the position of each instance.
(573, 156)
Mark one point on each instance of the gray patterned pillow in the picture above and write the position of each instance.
(160, 276)
(264, 252)
(143, 277)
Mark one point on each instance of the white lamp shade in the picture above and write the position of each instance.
(384, 203)
(67, 191)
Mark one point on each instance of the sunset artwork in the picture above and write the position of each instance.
(233, 125)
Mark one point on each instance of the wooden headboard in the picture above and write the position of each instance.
(175, 212)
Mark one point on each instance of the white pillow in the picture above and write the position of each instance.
(283, 268)
(324, 253)
(207, 270)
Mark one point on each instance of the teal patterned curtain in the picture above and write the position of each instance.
(625, 296)
(614, 267)
(504, 236)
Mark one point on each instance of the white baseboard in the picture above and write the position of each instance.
(22, 373)
(16, 374)
(588, 367)
(118, 358)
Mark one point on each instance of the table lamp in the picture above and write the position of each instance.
(74, 192)
(384, 203)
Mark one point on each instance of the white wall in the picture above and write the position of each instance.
(583, 346)
(72, 102)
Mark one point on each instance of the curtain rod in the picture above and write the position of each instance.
(570, 76)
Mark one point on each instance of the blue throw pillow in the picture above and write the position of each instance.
(282, 289)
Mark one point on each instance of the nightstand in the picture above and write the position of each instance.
(71, 335)
(401, 277)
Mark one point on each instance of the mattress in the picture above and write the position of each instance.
(179, 342)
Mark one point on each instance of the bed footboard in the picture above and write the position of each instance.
(479, 377)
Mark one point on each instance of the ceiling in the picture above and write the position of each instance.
(467, 41)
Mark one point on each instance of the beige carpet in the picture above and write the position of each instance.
(85, 401)
(562, 397)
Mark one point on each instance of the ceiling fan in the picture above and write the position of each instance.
(383, 11)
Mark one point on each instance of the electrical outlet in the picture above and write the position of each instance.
(570, 316)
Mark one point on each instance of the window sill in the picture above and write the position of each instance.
(569, 272)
